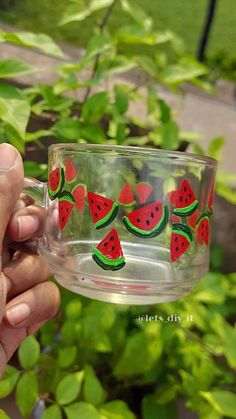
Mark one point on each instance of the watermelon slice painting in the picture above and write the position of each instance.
(103, 210)
(192, 219)
(66, 204)
(203, 230)
(126, 197)
(143, 191)
(79, 194)
(56, 182)
(184, 202)
(147, 221)
(108, 254)
(71, 174)
(181, 238)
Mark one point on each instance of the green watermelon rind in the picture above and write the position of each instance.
(54, 194)
(130, 204)
(106, 263)
(203, 216)
(186, 211)
(151, 233)
(182, 230)
(105, 221)
(66, 196)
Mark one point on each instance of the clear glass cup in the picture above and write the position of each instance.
(126, 224)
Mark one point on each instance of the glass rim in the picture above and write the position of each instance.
(147, 151)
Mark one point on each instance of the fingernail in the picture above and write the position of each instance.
(27, 226)
(18, 314)
(7, 157)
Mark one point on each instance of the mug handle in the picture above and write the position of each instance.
(37, 191)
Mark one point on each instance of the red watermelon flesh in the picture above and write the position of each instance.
(175, 219)
(181, 238)
(126, 196)
(143, 191)
(186, 202)
(203, 230)
(71, 174)
(79, 194)
(66, 204)
(103, 210)
(148, 221)
(56, 182)
(192, 219)
(108, 253)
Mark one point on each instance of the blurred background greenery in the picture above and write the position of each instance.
(95, 360)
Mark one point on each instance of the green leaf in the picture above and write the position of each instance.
(97, 45)
(117, 409)
(67, 129)
(3, 415)
(31, 40)
(121, 99)
(73, 309)
(147, 64)
(215, 147)
(14, 68)
(67, 356)
(95, 107)
(27, 393)
(185, 70)
(226, 191)
(35, 169)
(14, 108)
(93, 133)
(139, 356)
(78, 12)
(69, 388)
(8, 381)
(137, 13)
(151, 410)
(14, 138)
(52, 412)
(165, 111)
(93, 390)
(117, 65)
(223, 402)
(170, 135)
(211, 289)
(82, 410)
(135, 35)
(29, 352)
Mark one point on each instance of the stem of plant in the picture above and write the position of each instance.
(101, 27)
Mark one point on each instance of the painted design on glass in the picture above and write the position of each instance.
(70, 171)
(193, 218)
(143, 191)
(181, 238)
(183, 200)
(203, 230)
(79, 194)
(56, 182)
(126, 197)
(108, 254)
(103, 210)
(66, 204)
(148, 221)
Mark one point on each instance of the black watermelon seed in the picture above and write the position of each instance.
(63, 218)
(111, 238)
(105, 244)
(67, 209)
(186, 200)
(177, 249)
(113, 248)
(176, 239)
(152, 215)
(138, 220)
(105, 204)
(185, 189)
(92, 201)
(157, 209)
(148, 222)
(98, 207)
(96, 214)
(181, 198)
(190, 195)
(182, 244)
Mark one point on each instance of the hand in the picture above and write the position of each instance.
(27, 299)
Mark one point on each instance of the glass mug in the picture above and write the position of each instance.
(126, 224)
